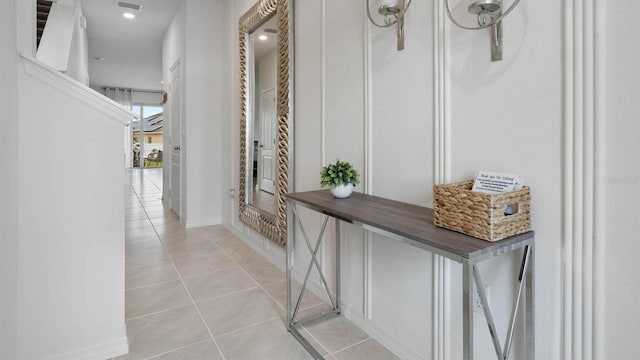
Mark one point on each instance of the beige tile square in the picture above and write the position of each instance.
(190, 265)
(219, 283)
(177, 235)
(139, 233)
(165, 331)
(278, 291)
(172, 229)
(135, 242)
(368, 350)
(238, 310)
(205, 350)
(160, 213)
(134, 217)
(266, 341)
(337, 333)
(240, 252)
(151, 299)
(145, 255)
(149, 275)
(264, 272)
(139, 244)
(230, 241)
(137, 224)
(166, 221)
(215, 231)
(191, 247)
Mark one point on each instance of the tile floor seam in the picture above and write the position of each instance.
(156, 312)
(151, 285)
(248, 326)
(252, 278)
(193, 302)
(226, 295)
(176, 349)
(200, 314)
(162, 223)
(316, 340)
(352, 345)
(206, 272)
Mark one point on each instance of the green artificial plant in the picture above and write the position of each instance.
(340, 173)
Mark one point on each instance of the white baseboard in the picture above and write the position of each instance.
(192, 223)
(106, 350)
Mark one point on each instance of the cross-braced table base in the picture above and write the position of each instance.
(460, 248)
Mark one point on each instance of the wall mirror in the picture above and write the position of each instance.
(266, 58)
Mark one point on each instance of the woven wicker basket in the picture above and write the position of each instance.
(481, 215)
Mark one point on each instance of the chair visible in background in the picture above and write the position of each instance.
(154, 157)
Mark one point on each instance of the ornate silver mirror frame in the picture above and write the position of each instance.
(272, 226)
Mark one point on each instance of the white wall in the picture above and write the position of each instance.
(70, 223)
(8, 182)
(195, 37)
(620, 108)
(440, 110)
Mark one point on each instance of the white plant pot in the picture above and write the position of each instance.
(342, 191)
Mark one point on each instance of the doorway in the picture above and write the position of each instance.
(147, 136)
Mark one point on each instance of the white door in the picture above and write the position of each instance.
(175, 140)
(267, 140)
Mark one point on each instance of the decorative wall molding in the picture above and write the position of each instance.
(441, 174)
(75, 89)
(368, 161)
(583, 218)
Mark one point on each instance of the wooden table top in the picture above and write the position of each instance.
(409, 221)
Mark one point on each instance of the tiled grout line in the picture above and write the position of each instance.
(317, 341)
(259, 285)
(247, 273)
(226, 295)
(176, 349)
(248, 326)
(193, 302)
(156, 312)
(352, 345)
(151, 285)
(269, 295)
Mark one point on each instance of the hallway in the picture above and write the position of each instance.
(204, 294)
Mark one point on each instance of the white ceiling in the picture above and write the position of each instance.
(132, 49)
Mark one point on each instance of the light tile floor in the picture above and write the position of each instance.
(204, 294)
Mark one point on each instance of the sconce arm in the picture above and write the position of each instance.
(396, 16)
(499, 19)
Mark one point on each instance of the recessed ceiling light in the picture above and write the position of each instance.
(128, 15)
(263, 37)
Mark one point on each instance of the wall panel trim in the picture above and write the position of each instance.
(441, 344)
(583, 216)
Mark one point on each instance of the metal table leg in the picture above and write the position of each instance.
(471, 274)
(292, 311)
(467, 311)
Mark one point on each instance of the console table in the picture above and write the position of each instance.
(413, 225)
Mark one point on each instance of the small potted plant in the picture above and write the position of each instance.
(340, 177)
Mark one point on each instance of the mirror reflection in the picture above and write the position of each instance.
(262, 118)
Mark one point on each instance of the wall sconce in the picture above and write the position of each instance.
(393, 12)
(490, 14)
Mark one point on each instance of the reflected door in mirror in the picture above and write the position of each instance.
(267, 145)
